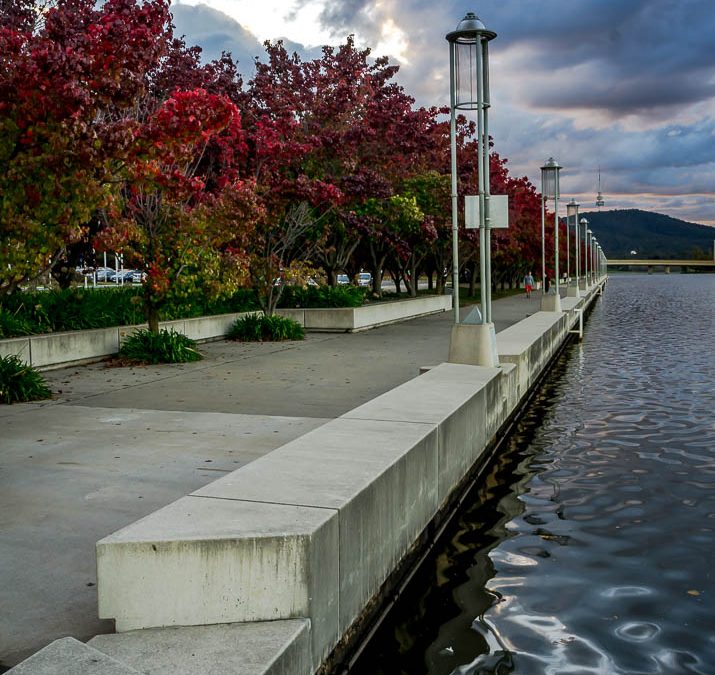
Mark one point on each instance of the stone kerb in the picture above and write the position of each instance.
(68, 655)
(257, 648)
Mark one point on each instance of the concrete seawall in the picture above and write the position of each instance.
(299, 542)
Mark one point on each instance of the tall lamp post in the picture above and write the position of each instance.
(583, 283)
(550, 190)
(473, 343)
(589, 256)
(572, 212)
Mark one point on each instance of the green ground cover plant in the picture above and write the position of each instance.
(261, 328)
(20, 382)
(148, 347)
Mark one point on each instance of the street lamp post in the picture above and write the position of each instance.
(473, 343)
(572, 212)
(589, 255)
(550, 190)
(594, 253)
(583, 282)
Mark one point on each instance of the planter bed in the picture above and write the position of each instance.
(354, 319)
(55, 350)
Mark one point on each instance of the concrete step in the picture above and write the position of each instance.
(68, 656)
(260, 648)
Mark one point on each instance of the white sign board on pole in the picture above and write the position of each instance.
(498, 211)
(471, 212)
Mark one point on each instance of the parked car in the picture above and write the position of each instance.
(343, 279)
(120, 276)
(364, 279)
(103, 273)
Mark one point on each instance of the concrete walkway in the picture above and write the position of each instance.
(115, 444)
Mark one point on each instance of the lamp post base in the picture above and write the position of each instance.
(474, 345)
(572, 291)
(551, 303)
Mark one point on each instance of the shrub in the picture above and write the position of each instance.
(12, 325)
(20, 382)
(261, 328)
(144, 346)
(323, 296)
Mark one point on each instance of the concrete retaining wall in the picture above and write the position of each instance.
(312, 530)
(353, 319)
(55, 350)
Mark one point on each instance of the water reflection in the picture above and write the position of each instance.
(589, 548)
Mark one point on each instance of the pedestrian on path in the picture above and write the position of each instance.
(528, 284)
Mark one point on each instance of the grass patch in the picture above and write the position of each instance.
(20, 382)
(144, 346)
(261, 328)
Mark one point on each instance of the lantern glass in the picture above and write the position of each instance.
(572, 209)
(465, 73)
(550, 179)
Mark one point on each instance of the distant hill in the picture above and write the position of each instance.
(652, 235)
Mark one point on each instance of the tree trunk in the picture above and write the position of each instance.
(152, 318)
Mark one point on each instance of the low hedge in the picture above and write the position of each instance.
(316, 297)
(81, 309)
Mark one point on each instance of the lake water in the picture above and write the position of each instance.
(591, 546)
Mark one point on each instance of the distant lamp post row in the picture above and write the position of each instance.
(572, 214)
(594, 260)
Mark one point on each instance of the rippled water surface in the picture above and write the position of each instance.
(591, 547)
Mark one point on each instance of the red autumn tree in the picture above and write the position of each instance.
(182, 219)
(56, 76)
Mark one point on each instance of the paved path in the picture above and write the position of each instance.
(115, 444)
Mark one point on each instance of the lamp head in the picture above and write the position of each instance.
(468, 29)
(550, 179)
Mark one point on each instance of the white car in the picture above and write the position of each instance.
(364, 279)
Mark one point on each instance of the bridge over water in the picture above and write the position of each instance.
(667, 264)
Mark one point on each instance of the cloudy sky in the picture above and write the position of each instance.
(624, 85)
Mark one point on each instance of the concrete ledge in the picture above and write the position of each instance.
(16, 347)
(454, 397)
(53, 349)
(297, 315)
(258, 648)
(531, 343)
(381, 478)
(205, 561)
(352, 319)
(69, 656)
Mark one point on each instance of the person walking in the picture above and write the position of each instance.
(528, 284)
